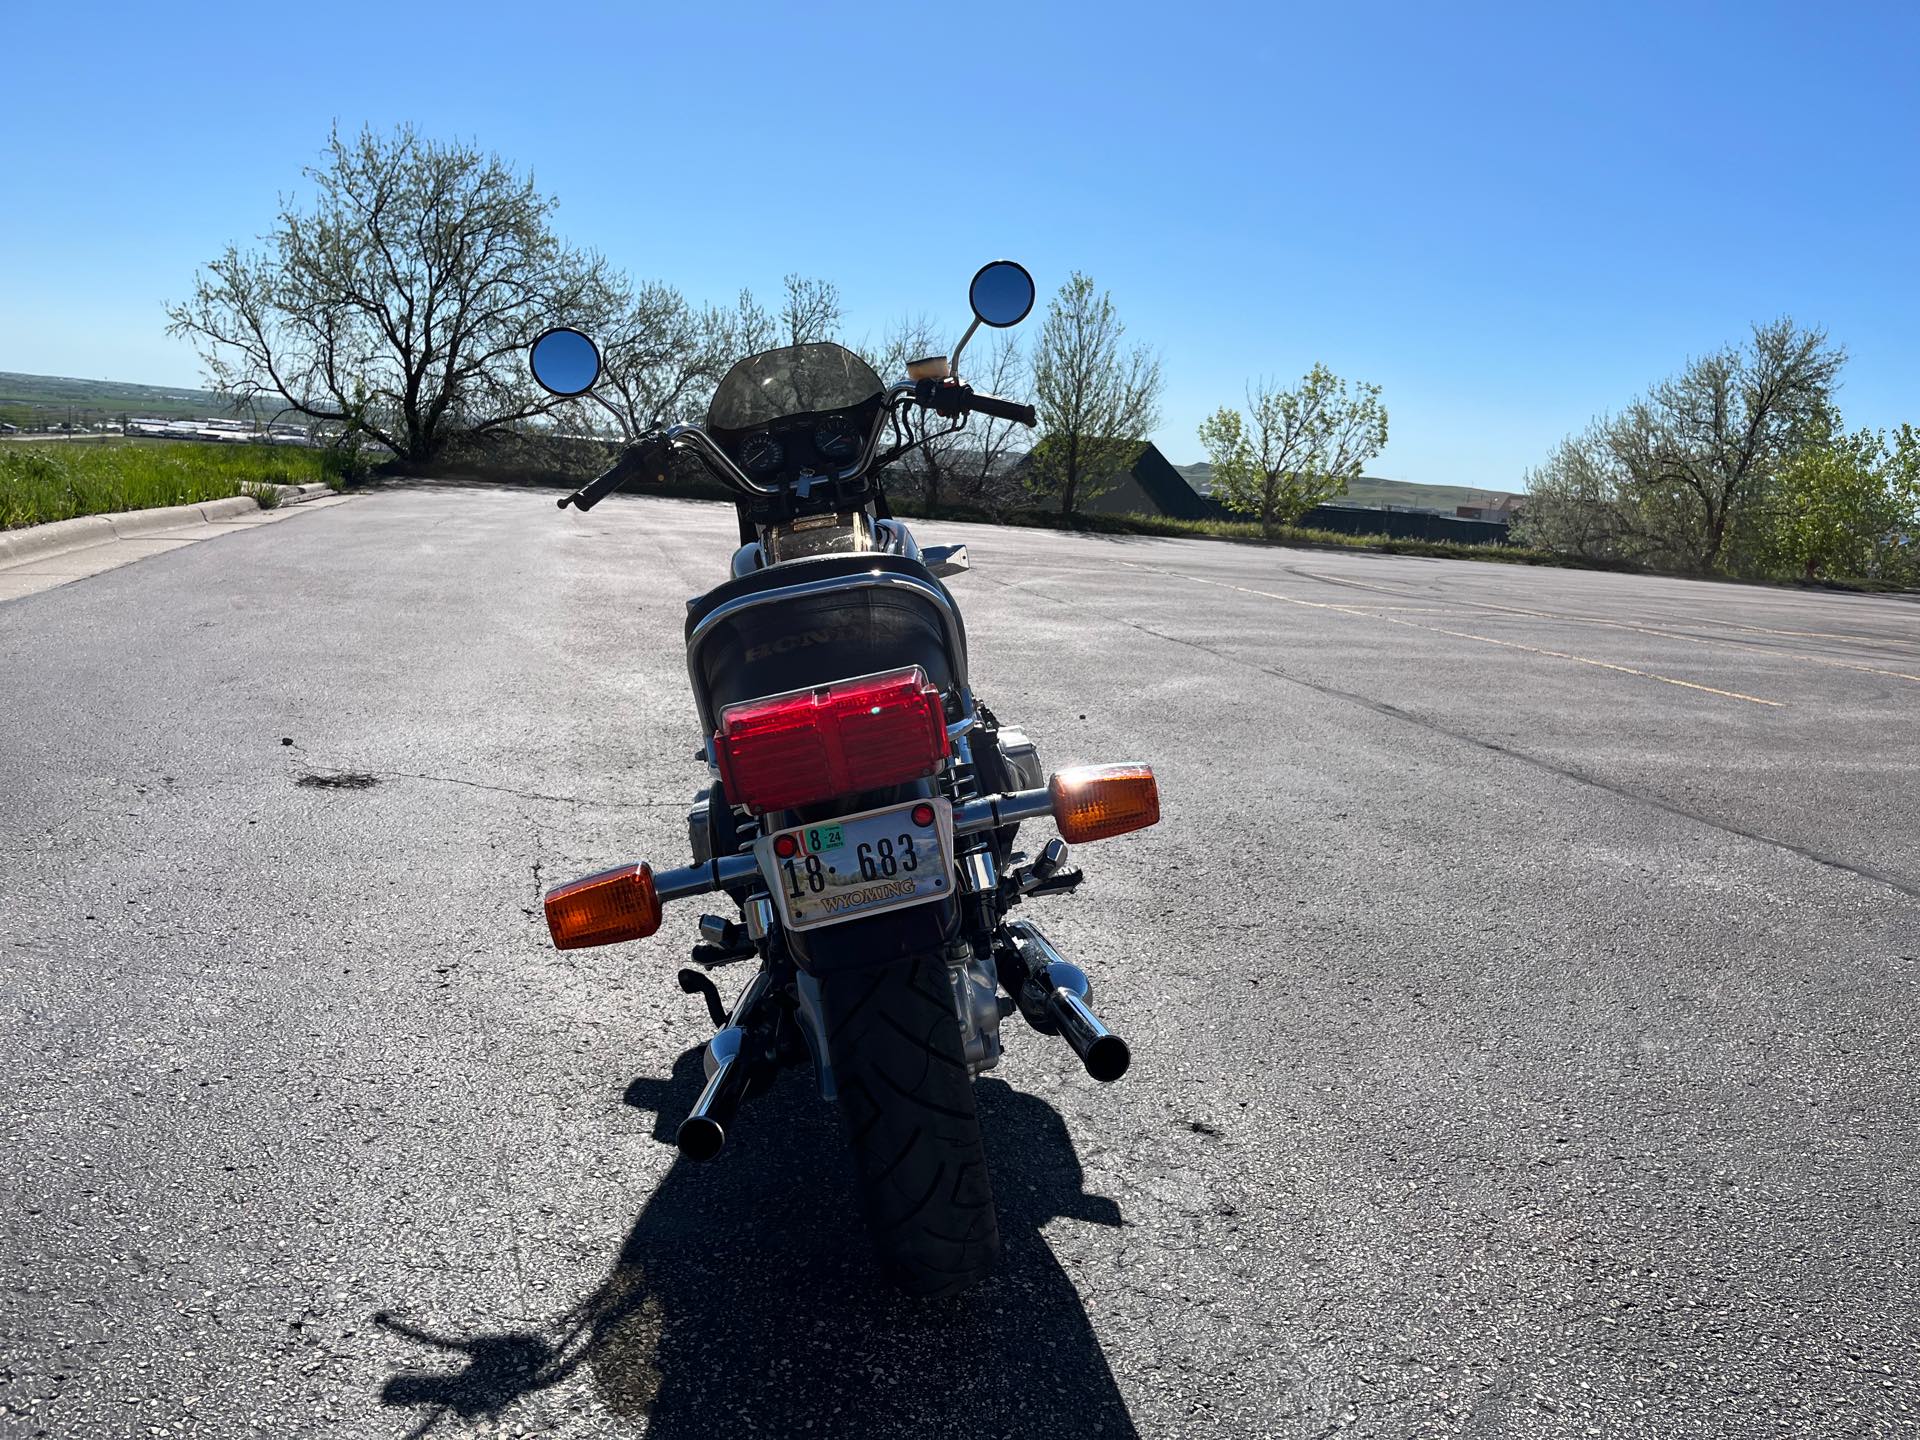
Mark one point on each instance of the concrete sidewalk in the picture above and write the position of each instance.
(41, 557)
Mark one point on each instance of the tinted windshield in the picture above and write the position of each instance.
(798, 380)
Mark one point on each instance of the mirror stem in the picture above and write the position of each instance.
(606, 405)
(953, 363)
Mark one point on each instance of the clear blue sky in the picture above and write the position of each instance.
(1511, 218)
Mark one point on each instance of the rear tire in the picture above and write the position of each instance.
(919, 1163)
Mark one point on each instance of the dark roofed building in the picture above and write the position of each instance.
(1151, 486)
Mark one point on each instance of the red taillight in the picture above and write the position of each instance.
(813, 745)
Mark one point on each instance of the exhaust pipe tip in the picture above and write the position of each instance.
(700, 1137)
(1107, 1059)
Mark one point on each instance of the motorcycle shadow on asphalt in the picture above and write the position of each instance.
(744, 1297)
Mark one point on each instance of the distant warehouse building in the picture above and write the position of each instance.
(1504, 508)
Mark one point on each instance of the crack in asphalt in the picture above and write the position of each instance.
(532, 794)
(1897, 883)
(361, 779)
(336, 778)
(1568, 772)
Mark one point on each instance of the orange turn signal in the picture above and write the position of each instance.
(604, 909)
(1091, 802)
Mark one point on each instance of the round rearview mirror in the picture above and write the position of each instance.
(1001, 294)
(564, 361)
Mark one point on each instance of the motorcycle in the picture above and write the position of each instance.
(862, 803)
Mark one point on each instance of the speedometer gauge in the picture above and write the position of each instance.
(836, 438)
(761, 453)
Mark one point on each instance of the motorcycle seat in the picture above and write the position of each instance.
(826, 618)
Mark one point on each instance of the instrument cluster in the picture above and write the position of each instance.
(823, 444)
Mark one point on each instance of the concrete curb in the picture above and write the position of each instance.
(60, 537)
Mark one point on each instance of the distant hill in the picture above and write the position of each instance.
(46, 399)
(1372, 490)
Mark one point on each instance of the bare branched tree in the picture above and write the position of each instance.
(1572, 506)
(1677, 475)
(663, 357)
(810, 312)
(401, 302)
(754, 329)
(971, 464)
(913, 337)
(1713, 437)
(981, 470)
(1097, 405)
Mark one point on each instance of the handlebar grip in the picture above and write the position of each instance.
(642, 456)
(598, 488)
(1003, 409)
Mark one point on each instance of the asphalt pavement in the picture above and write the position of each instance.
(1521, 988)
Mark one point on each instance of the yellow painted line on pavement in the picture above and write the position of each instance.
(1726, 643)
(1580, 659)
(1801, 634)
(1651, 629)
(1358, 608)
(1361, 614)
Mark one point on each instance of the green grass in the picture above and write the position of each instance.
(39, 483)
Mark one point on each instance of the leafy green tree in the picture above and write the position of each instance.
(1573, 503)
(401, 300)
(1292, 449)
(1831, 510)
(1096, 404)
(1901, 555)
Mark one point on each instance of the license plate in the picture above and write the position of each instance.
(857, 865)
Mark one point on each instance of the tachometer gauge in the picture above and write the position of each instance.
(837, 438)
(761, 453)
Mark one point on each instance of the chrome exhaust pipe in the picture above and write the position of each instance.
(704, 1131)
(702, 1134)
(1104, 1053)
(1057, 1000)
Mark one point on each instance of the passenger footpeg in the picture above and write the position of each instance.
(1046, 875)
(722, 943)
(712, 957)
(1055, 998)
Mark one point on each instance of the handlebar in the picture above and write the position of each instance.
(951, 398)
(651, 457)
(1004, 409)
(607, 481)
